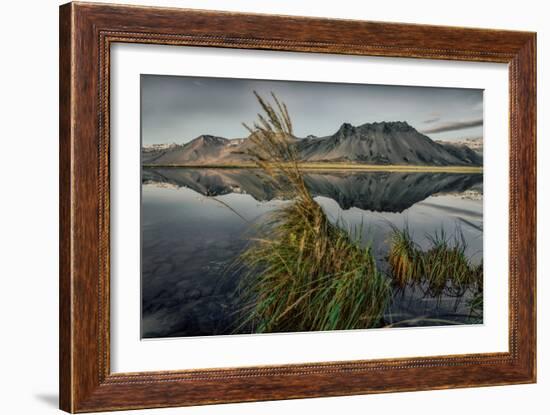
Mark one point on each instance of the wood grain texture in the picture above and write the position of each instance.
(65, 246)
(86, 33)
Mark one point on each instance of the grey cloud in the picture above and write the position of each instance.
(180, 108)
(431, 120)
(454, 126)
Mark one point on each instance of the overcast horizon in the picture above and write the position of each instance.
(177, 109)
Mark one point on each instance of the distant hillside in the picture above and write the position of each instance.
(475, 144)
(464, 152)
(372, 143)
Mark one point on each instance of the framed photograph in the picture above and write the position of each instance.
(260, 207)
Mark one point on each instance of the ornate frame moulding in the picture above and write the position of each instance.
(86, 33)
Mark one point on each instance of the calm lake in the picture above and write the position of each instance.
(195, 223)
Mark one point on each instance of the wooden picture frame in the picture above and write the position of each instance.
(86, 33)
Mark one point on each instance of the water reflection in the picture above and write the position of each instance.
(375, 191)
(190, 237)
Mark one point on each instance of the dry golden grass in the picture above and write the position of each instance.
(303, 273)
(336, 166)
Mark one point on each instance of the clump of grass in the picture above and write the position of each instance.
(304, 273)
(403, 257)
(443, 269)
(445, 265)
(476, 303)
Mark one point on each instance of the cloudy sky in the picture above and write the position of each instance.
(176, 109)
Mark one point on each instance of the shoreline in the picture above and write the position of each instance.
(333, 166)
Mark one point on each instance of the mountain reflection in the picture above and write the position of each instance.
(374, 191)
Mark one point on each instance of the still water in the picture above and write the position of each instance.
(195, 223)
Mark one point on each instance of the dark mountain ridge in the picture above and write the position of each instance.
(381, 143)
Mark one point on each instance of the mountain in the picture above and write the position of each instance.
(152, 152)
(372, 143)
(464, 152)
(200, 150)
(475, 144)
(382, 143)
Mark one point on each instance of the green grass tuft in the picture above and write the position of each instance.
(443, 269)
(403, 257)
